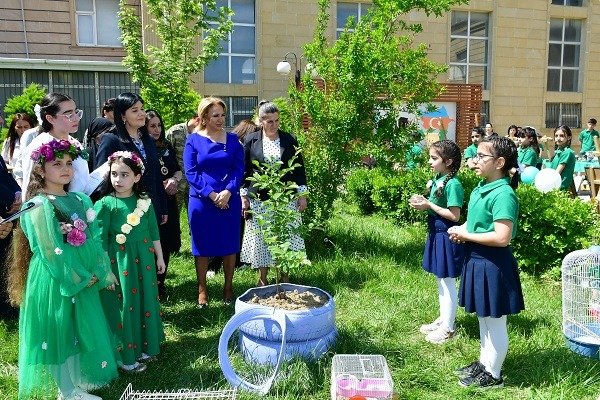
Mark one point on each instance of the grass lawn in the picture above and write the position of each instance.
(382, 296)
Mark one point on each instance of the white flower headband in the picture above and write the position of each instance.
(128, 154)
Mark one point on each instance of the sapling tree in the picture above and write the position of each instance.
(280, 219)
(371, 73)
(188, 32)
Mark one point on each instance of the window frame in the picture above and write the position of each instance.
(232, 112)
(363, 9)
(94, 15)
(230, 55)
(561, 68)
(567, 5)
(469, 38)
(562, 112)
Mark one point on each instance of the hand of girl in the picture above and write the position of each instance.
(419, 202)
(92, 281)
(111, 287)
(457, 233)
(160, 265)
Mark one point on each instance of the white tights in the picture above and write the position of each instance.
(448, 298)
(493, 334)
(63, 379)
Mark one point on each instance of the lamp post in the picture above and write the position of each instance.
(284, 67)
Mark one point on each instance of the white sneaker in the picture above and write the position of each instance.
(210, 274)
(440, 335)
(79, 394)
(425, 329)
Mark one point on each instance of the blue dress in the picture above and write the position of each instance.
(213, 167)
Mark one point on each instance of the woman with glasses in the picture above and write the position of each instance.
(60, 118)
(130, 135)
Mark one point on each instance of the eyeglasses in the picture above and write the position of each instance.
(481, 157)
(71, 116)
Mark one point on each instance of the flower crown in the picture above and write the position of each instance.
(128, 154)
(57, 149)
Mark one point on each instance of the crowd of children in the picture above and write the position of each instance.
(86, 274)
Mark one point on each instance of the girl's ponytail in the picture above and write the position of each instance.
(19, 255)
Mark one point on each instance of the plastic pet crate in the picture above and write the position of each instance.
(358, 376)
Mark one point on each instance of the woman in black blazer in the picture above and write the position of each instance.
(130, 135)
(269, 144)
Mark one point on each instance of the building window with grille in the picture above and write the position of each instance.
(573, 3)
(239, 108)
(469, 48)
(97, 23)
(345, 11)
(564, 55)
(558, 114)
(237, 61)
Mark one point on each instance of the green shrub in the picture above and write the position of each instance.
(392, 190)
(23, 103)
(359, 185)
(550, 226)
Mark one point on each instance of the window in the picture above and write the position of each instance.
(563, 55)
(88, 88)
(347, 10)
(97, 23)
(485, 113)
(469, 44)
(563, 114)
(574, 3)
(237, 62)
(239, 108)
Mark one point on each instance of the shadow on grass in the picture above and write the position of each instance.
(556, 367)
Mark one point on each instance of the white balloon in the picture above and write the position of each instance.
(547, 179)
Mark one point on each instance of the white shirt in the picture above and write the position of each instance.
(26, 138)
(80, 166)
(6, 150)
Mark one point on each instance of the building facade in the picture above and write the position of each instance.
(536, 60)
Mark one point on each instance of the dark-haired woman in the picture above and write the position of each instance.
(171, 175)
(130, 119)
(11, 148)
(60, 117)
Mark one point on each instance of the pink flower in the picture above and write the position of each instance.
(47, 152)
(79, 224)
(76, 237)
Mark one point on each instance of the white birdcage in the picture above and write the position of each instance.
(581, 301)
(181, 394)
(360, 376)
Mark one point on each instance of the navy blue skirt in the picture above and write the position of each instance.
(442, 257)
(490, 284)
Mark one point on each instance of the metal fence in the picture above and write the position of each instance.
(89, 89)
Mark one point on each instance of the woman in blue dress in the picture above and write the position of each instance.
(214, 167)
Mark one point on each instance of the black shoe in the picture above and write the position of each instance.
(483, 380)
(472, 369)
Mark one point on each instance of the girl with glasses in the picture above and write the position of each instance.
(489, 285)
(442, 257)
(60, 119)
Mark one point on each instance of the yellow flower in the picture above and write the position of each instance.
(121, 238)
(126, 228)
(133, 219)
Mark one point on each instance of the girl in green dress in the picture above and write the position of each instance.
(58, 270)
(130, 235)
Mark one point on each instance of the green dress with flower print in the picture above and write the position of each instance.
(62, 328)
(133, 310)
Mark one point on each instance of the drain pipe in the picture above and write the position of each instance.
(24, 29)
